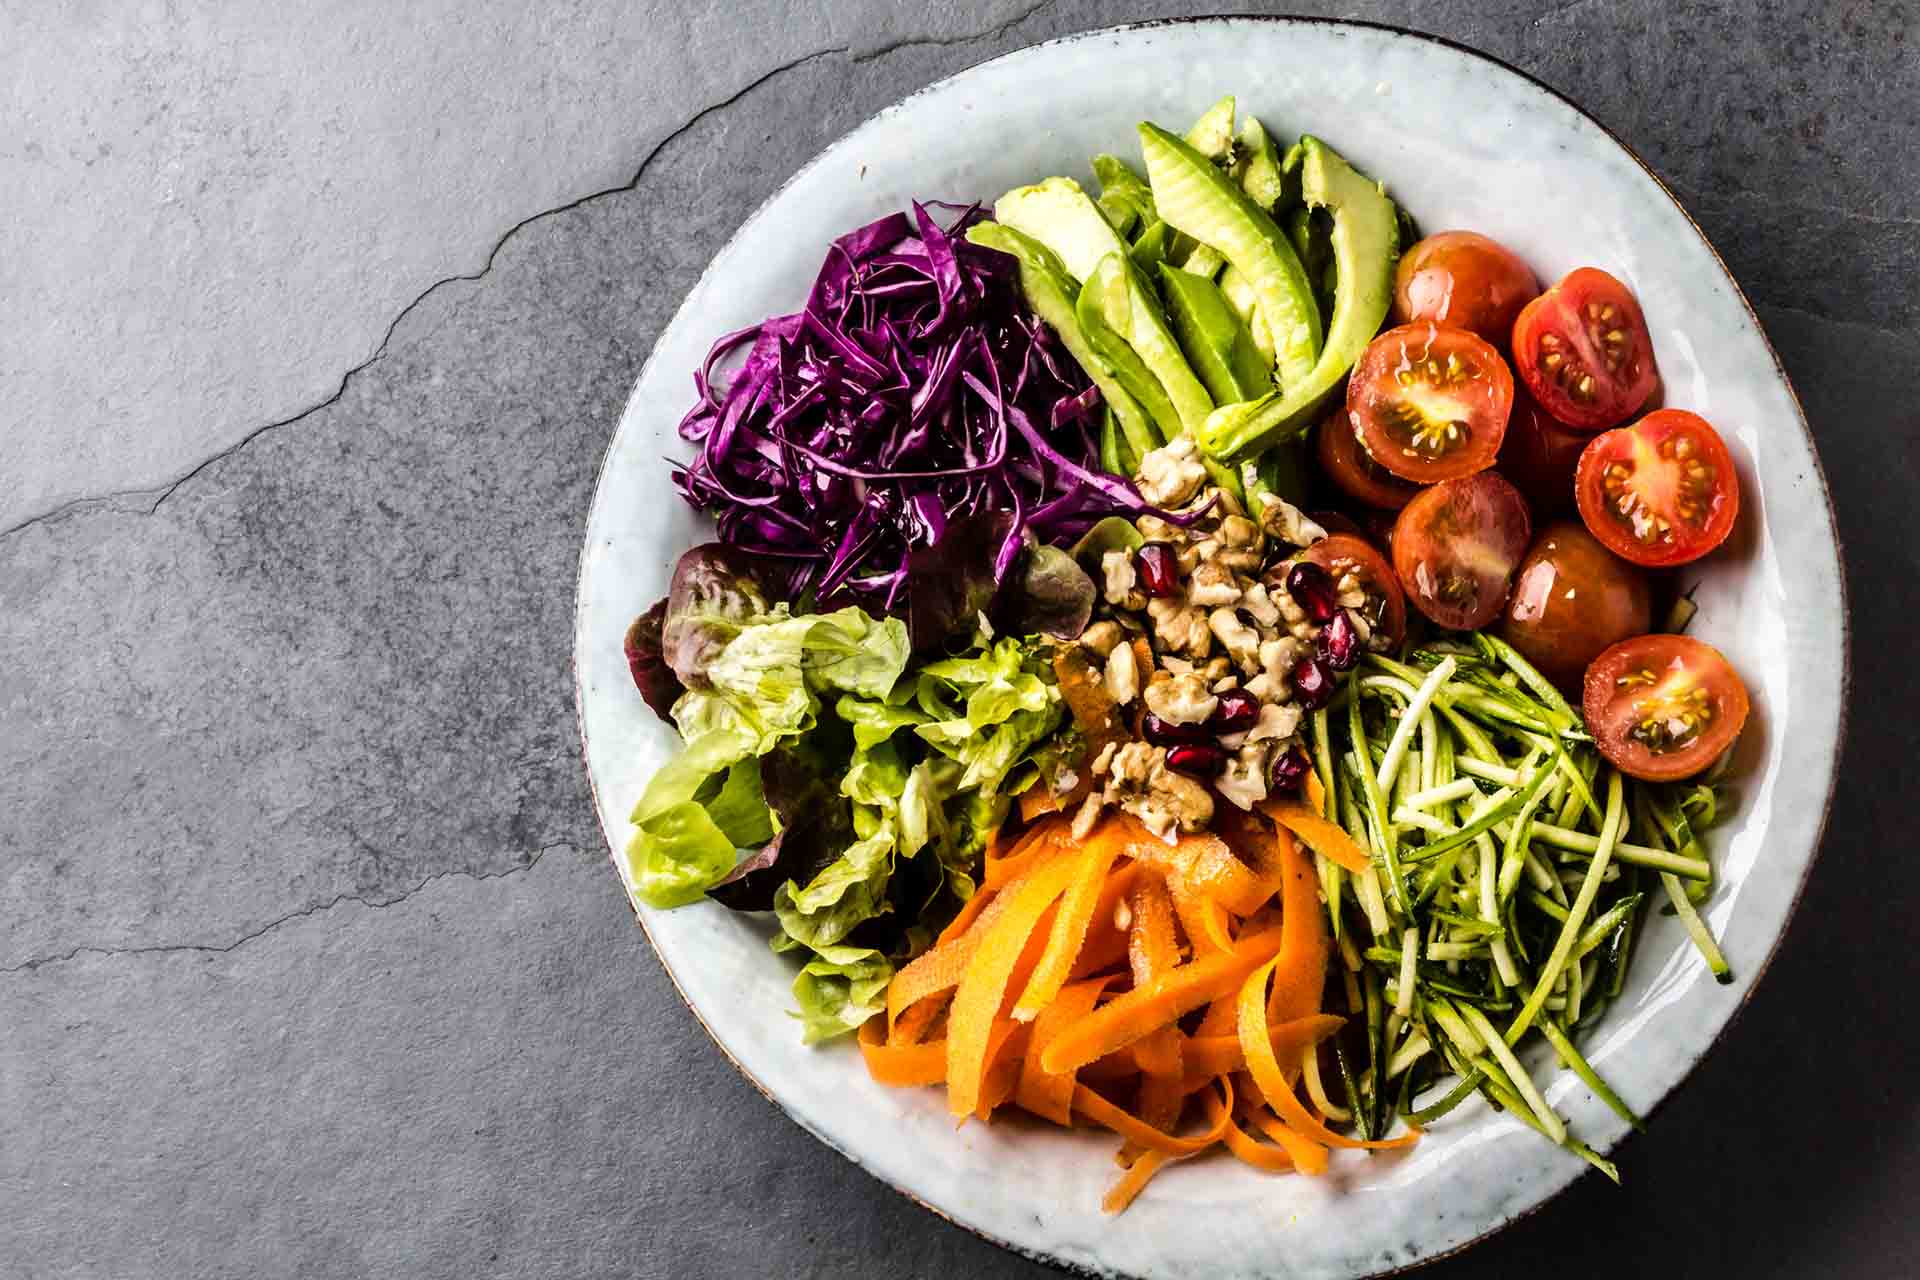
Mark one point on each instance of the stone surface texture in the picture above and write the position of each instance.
(319, 317)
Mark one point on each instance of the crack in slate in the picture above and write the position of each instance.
(161, 493)
(318, 908)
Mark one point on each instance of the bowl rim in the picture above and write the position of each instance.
(1845, 688)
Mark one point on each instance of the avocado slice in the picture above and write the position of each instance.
(1366, 245)
(1196, 197)
(1217, 343)
(1052, 294)
(1212, 133)
(1132, 314)
(1149, 248)
(1238, 291)
(1061, 216)
(1124, 195)
(1259, 173)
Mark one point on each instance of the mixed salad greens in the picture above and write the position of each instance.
(1120, 647)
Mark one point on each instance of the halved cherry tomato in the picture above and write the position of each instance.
(1663, 707)
(1572, 599)
(1583, 349)
(1660, 492)
(1539, 454)
(1430, 404)
(1465, 281)
(1352, 471)
(1455, 548)
(1386, 608)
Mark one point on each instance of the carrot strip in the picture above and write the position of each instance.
(911, 1026)
(967, 914)
(1304, 945)
(1264, 1067)
(1007, 1049)
(1051, 1096)
(1133, 1181)
(1308, 1156)
(901, 1065)
(1106, 943)
(983, 986)
(1203, 861)
(1217, 1055)
(1237, 1140)
(1130, 1127)
(1152, 948)
(1070, 922)
(1323, 837)
(941, 967)
(1159, 1054)
(1203, 920)
(1129, 1017)
(1032, 847)
(1316, 792)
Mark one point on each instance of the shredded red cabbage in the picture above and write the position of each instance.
(914, 390)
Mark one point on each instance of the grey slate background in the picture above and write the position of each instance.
(317, 320)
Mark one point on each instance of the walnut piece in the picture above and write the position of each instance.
(1182, 700)
(1172, 473)
(1123, 674)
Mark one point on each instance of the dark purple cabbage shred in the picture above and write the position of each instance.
(914, 390)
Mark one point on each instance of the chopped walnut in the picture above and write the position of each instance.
(1244, 779)
(1172, 473)
(1173, 802)
(1175, 666)
(1217, 668)
(1277, 721)
(1181, 700)
(1282, 520)
(1279, 656)
(1123, 674)
(1258, 604)
(1189, 554)
(1101, 637)
(1088, 814)
(1154, 529)
(1214, 584)
(1121, 581)
(1180, 627)
(1104, 761)
(1133, 763)
(1239, 639)
(1352, 593)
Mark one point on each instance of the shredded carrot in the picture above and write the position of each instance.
(1203, 920)
(1127, 1018)
(1217, 1055)
(1152, 948)
(1237, 1140)
(1106, 944)
(1051, 1096)
(1304, 942)
(941, 968)
(1070, 922)
(1264, 1067)
(1323, 837)
(963, 920)
(983, 987)
(901, 1065)
(1133, 1181)
(1203, 861)
(1006, 1050)
(1132, 1128)
(1035, 845)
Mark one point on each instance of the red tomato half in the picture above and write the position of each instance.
(1352, 471)
(1430, 404)
(1386, 610)
(1455, 548)
(1661, 492)
(1663, 707)
(1582, 348)
(1464, 281)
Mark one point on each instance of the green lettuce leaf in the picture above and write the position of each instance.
(676, 853)
(840, 988)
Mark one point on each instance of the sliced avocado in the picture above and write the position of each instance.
(1052, 294)
(1197, 198)
(1061, 216)
(1132, 311)
(1149, 249)
(1217, 344)
(1238, 291)
(1366, 245)
(1124, 195)
(1159, 418)
(1259, 173)
(1200, 259)
(1212, 133)
(1114, 454)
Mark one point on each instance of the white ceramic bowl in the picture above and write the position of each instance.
(1462, 141)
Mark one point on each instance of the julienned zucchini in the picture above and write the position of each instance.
(1366, 247)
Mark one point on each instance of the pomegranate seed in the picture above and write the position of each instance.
(1238, 711)
(1158, 567)
(1313, 683)
(1312, 589)
(1201, 759)
(1339, 643)
(1165, 733)
(1290, 769)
